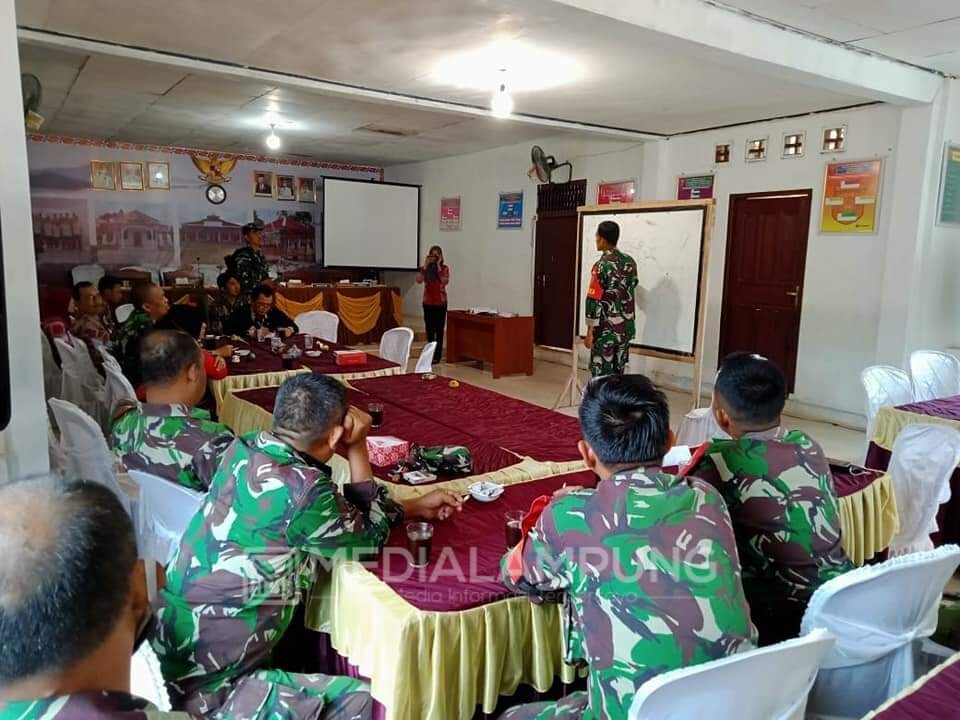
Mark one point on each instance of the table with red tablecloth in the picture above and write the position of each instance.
(935, 696)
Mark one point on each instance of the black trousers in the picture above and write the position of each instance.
(435, 318)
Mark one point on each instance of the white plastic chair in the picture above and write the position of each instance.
(395, 346)
(85, 452)
(935, 375)
(878, 614)
(86, 273)
(123, 312)
(118, 388)
(921, 463)
(425, 363)
(884, 386)
(146, 678)
(698, 426)
(319, 323)
(771, 683)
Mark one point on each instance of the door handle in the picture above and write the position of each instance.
(796, 297)
(795, 293)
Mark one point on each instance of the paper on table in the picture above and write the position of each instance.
(679, 456)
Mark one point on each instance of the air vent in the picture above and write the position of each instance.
(383, 130)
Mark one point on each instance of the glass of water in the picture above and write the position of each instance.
(308, 341)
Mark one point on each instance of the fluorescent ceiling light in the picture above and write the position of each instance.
(529, 67)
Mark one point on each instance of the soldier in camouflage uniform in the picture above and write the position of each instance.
(780, 493)
(610, 306)
(69, 659)
(248, 264)
(647, 561)
(150, 305)
(167, 435)
(271, 516)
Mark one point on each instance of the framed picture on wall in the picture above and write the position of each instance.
(158, 175)
(262, 184)
(306, 190)
(285, 187)
(103, 175)
(131, 176)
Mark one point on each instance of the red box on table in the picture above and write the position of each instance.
(386, 450)
(350, 357)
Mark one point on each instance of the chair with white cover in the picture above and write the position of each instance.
(123, 312)
(108, 359)
(884, 386)
(879, 615)
(923, 458)
(118, 388)
(320, 324)
(425, 363)
(146, 678)
(76, 384)
(86, 273)
(698, 426)
(395, 346)
(52, 380)
(85, 452)
(769, 683)
(935, 375)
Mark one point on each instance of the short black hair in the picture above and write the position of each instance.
(165, 354)
(251, 227)
(752, 388)
(609, 231)
(626, 420)
(183, 317)
(108, 282)
(80, 286)
(261, 291)
(141, 292)
(308, 405)
(62, 593)
(225, 277)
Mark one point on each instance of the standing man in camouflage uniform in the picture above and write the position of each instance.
(611, 308)
(648, 561)
(271, 515)
(167, 435)
(150, 305)
(73, 604)
(780, 492)
(248, 263)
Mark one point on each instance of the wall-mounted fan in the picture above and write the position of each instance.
(544, 165)
(32, 95)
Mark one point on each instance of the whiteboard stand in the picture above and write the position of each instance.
(573, 386)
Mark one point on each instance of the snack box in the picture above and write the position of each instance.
(386, 450)
(350, 357)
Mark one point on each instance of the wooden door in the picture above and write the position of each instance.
(763, 277)
(555, 262)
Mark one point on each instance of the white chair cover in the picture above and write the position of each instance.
(146, 678)
(85, 452)
(885, 386)
(52, 381)
(75, 386)
(767, 684)
(395, 346)
(921, 463)
(876, 613)
(319, 323)
(123, 312)
(698, 426)
(87, 273)
(118, 388)
(109, 360)
(94, 390)
(425, 363)
(935, 375)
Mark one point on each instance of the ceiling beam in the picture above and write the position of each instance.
(736, 39)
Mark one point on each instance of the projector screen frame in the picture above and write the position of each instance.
(323, 224)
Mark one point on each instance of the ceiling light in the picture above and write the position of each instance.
(531, 67)
(273, 140)
(501, 104)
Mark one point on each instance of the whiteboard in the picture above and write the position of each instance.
(371, 224)
(668, 247)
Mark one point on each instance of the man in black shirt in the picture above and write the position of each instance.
(261, 313)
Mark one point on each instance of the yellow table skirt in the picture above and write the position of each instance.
(869, 520)
(890, 421)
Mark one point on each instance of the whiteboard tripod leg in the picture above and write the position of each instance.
(574, 387)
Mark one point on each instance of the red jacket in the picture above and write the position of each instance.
(435, 291)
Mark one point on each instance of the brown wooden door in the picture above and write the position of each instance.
(763, 277)
(555, 262)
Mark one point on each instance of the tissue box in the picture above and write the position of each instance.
(350, 357)
(386, 450)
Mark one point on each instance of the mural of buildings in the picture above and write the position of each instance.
(132, 236)
(209, 239)
(57, 233)
(290, 236)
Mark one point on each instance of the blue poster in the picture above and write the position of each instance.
(510, 214)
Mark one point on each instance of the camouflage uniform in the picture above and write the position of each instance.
(649, 565)
(88, 706)
(245, 559)
(175, 442)
(223, 307)
(92, 327)
(611, 312)
(447, 459)
(250, 267)
(126, 344)
(787, 522)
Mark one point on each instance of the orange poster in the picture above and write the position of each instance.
(851, 195)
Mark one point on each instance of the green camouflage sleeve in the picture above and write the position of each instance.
(206, 460)
(545, 569)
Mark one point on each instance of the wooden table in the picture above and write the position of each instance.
(505, 342)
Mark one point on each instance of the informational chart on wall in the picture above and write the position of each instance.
(950, 186)
(851, 197)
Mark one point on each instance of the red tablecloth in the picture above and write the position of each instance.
(516, 425)
(937, 698)
(325, 364)
(848, 479)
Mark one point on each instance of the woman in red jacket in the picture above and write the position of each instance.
(435, 276)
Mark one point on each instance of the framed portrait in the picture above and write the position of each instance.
(286, 187)
(131, 176)
(306, 190)
(158, 176)
(262, 184)
(103, 175)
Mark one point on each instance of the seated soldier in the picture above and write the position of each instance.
(167, 435)
(228, 300)
(260, 315)
(780, 493)
(73, 603)
(253, 549)
(150, 305)
(648, 560)
(88, 322)
(111, 292)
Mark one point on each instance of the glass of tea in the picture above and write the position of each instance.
(419, 542)
(308, 341)
(513, 522)
(376, 412)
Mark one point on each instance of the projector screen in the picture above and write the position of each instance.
(371, 224)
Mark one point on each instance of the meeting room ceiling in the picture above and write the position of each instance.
(579, 67)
